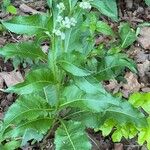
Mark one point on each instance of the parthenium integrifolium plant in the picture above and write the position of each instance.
(64, 88)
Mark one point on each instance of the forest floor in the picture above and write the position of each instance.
(133, 12)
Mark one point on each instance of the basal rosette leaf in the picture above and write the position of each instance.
(26, 112)
(88, 119)
(36, 80)
(23, 50)
(41, 125)
(109, 106)
(71, 136)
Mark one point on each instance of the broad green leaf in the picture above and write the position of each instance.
(36, 80)
(89, 85)
(25, 113)
(27, 107)
(127, 35)
(107, 7)
(31, 134)
(30, 25)
(104, 28)
(141, 100)
(23, 50)
(111, 107)
(89, 119)
(112, 65)
(42, 125)
(73, 69)
(143, 136)
(71, 136)
(147, 2)
(51, 94)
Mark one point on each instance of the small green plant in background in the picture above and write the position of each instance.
(9, 7)
(64, 87)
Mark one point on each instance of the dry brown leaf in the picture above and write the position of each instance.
(145, 89)
(132, 84)
(144, 39)
(27, 9)
(143, 68)
(11, 78)
(2, 41)
(113, 86)
(118, 146)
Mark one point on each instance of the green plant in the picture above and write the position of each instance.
(142, 100)
(63, 88)
(8, 7)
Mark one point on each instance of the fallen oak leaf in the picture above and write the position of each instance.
(11, 78)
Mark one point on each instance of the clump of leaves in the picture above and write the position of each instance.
(64, 88)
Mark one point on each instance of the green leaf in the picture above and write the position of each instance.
(24, 114)
(49, 2)
(11, 9)
(104, 28)
(30, 25)
(147, 2)
(42, 125)
(127, 131)
(51, 94)
(89, 85)
(71, 136)
(113, 65)
(27, 107)
(23, 50)
(141, 100)
(11, 145)
(111, 107)
(107, 7)
(143, 136)
(31, 134)
(127, 35)
(36, 80)
(89, 119)
(73, 69)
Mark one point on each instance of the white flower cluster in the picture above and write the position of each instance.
(85, 4)
(68, 22)
(63, 22)
(59, 33)
(61, 7)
